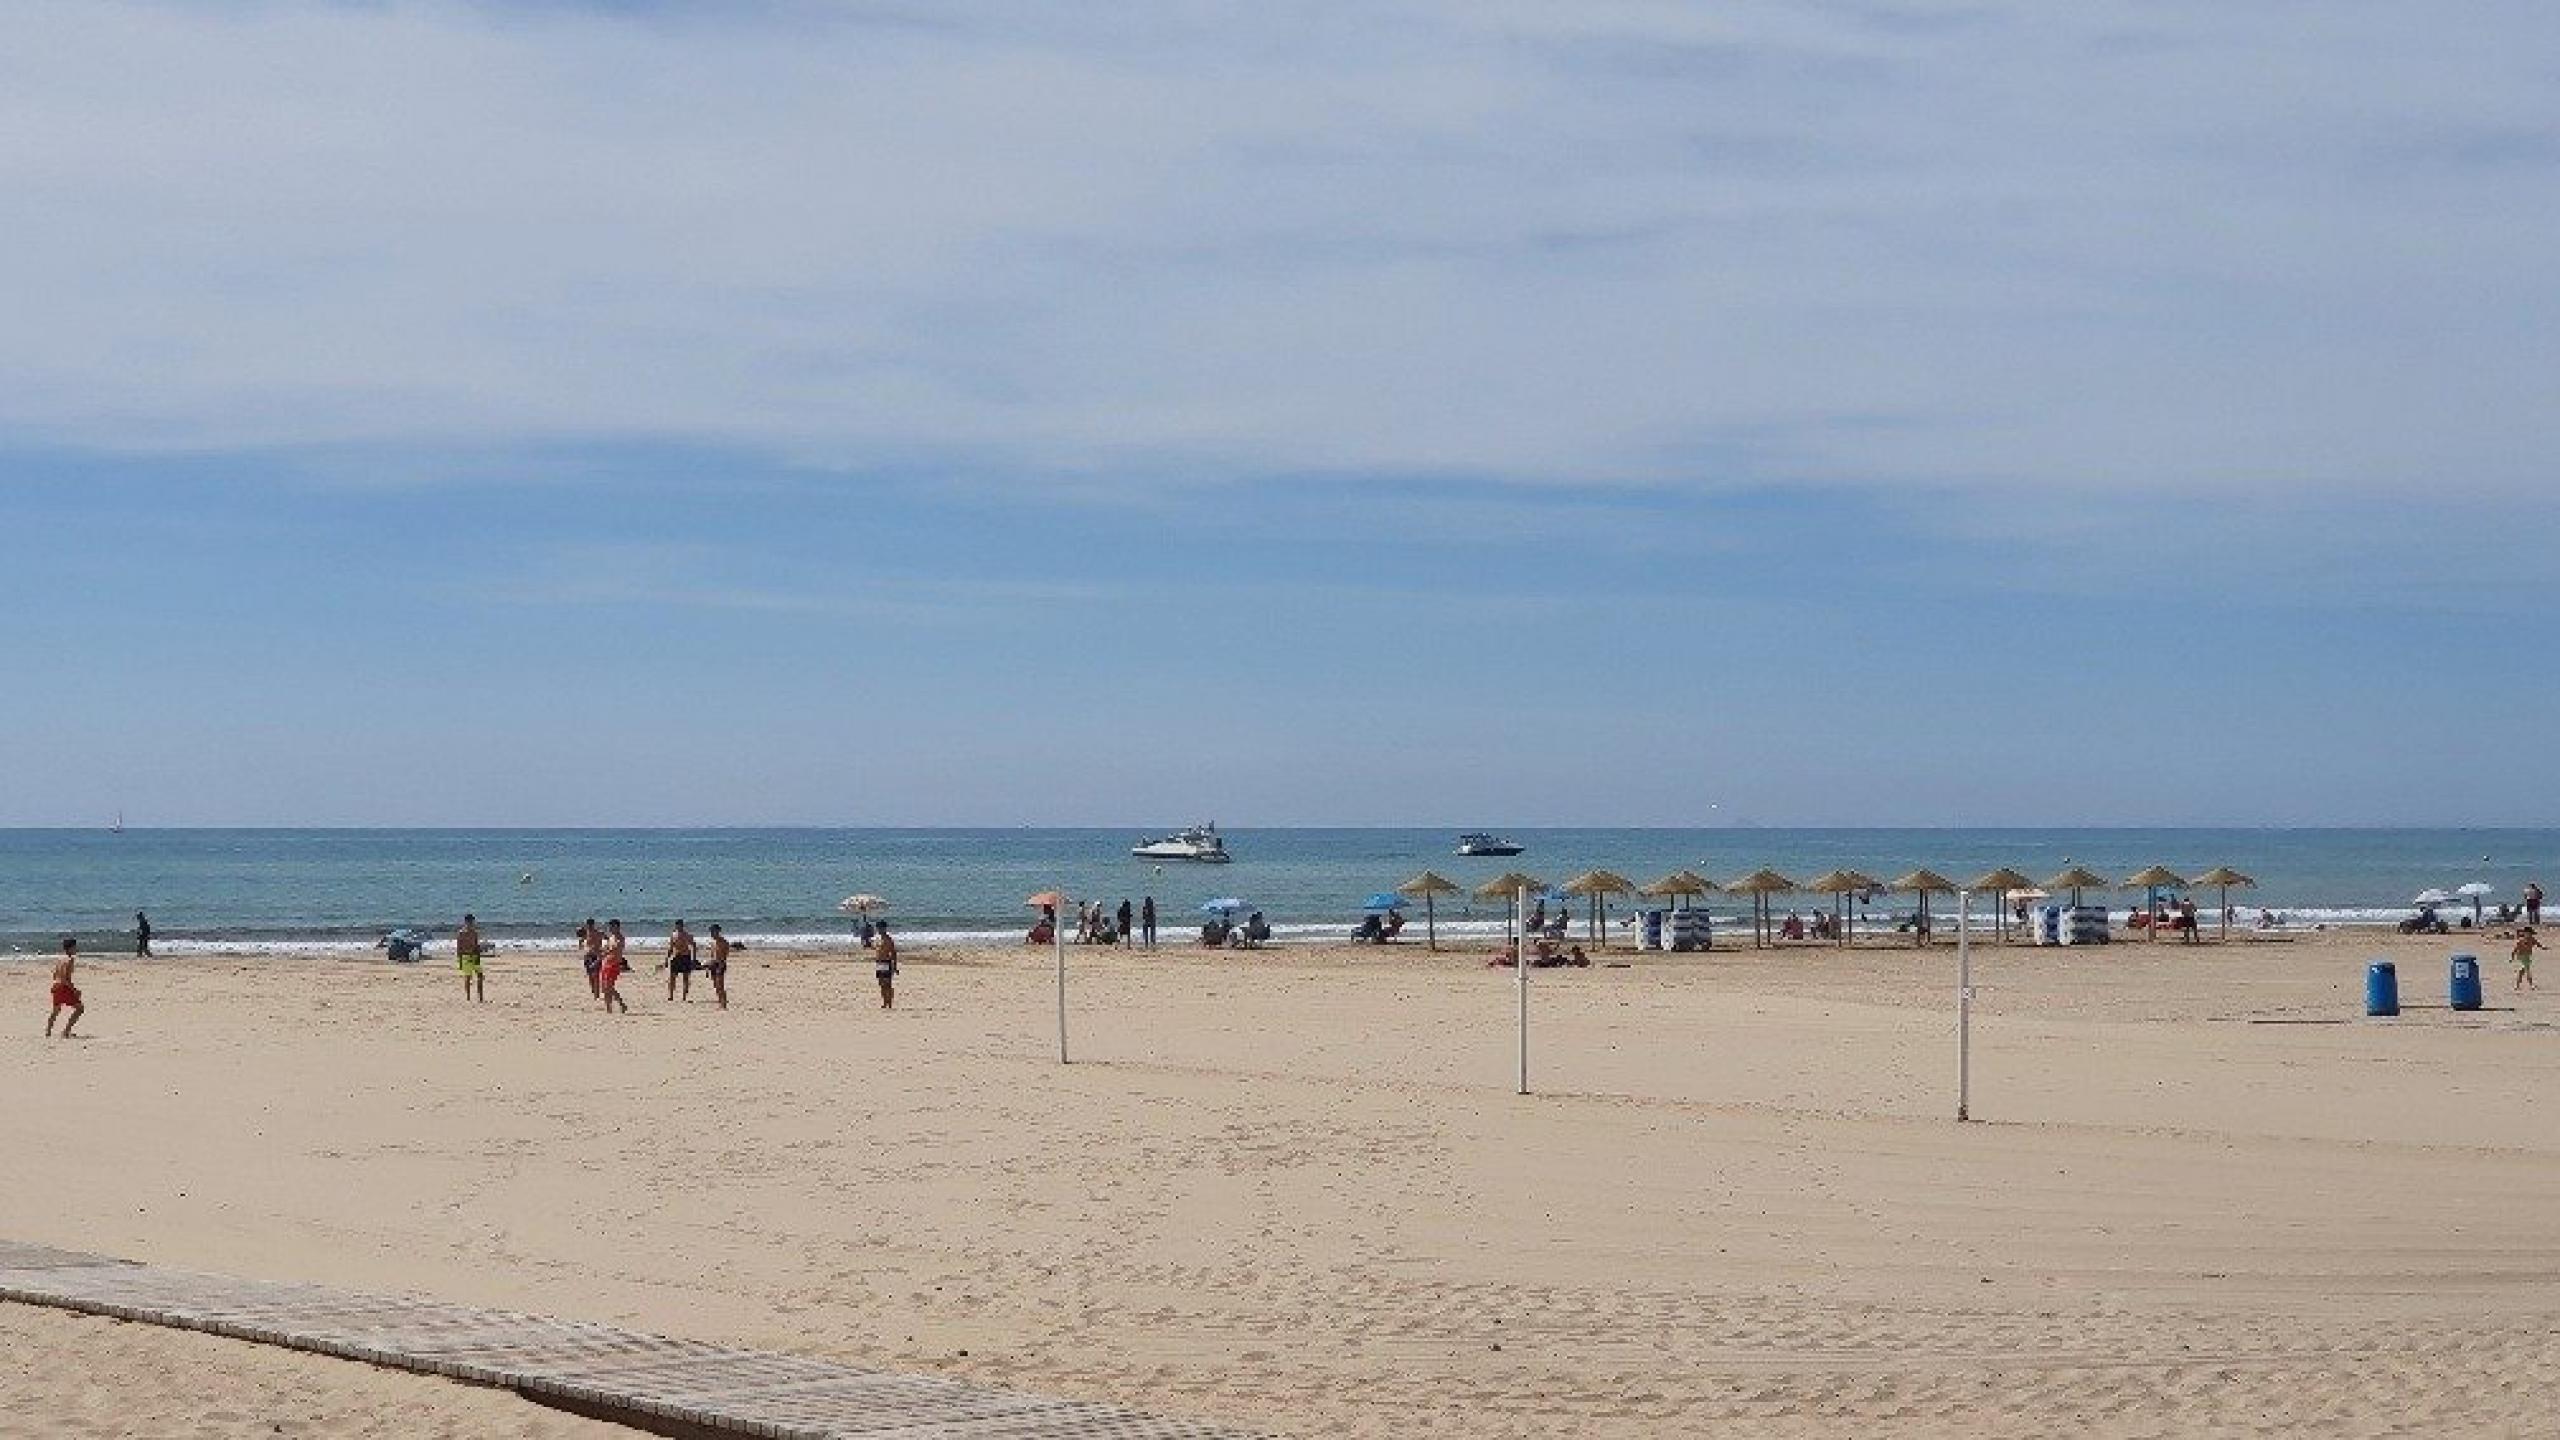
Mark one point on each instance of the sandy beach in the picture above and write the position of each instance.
(1293, 1190)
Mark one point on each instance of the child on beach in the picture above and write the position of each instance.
(884, 967)
(2526, 943)
(466, 955)
(591, 956)
(66, 996)
(718, 970)
(611, 973)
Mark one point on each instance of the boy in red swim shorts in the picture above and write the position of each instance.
(66, 996)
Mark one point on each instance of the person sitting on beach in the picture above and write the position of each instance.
(680, 961)
(66, 996)
(1043, 930)
(1793, 929)
(884, 968)
(718, 969)
(1395, 927)
(467, 951)
(1505, 956)
(1575, 957)
(1256, 929)
(610, 975)
(2526, 944)
(1213, 932)
(1370, 931)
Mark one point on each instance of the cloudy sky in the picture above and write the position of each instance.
(977, 412)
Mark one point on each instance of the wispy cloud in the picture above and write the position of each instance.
(2257, 252)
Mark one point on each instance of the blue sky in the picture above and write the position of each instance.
(1858, 413)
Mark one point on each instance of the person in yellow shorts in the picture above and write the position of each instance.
(2526, 943)
(467, 951)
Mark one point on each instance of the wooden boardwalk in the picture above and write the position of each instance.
(672, 1387)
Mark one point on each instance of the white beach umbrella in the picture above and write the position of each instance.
(2475, 892)
(2432, 896)
(861, 904)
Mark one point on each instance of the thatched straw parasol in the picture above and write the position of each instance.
(1679, 883)
(1921, 882)
(1506, 885)
(1426, 887)
(2002, 881)
(2077, 879)
(1840, 883)
(2223, 877)
(2151, 882)
(1597, 886)
(1760, 885)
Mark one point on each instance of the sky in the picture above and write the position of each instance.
(1406, 412)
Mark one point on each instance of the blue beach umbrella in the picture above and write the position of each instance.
(1385, 900)
(1223, 905)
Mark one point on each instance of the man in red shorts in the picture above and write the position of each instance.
(66, 996)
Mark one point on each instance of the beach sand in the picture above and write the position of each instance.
(1294, 1190)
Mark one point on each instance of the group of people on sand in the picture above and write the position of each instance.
(603, 954)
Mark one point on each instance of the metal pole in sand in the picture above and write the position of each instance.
(1058, 942)
(1964, 1005)
(1520, 963)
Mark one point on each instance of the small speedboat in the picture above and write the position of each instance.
(1198, 844)
(1477, 842)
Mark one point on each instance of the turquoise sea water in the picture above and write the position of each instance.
(338, 890)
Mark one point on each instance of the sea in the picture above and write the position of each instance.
(337, 892)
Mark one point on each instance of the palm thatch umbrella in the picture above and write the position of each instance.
(1760, 885)
(2075, 880)
(2224, 877)
(1597, 886)
(1679, 883)
(1921, 882)
(1425, 887)
(1505, 886)
(1841, 883)
(2002, 881)
(2151, 882)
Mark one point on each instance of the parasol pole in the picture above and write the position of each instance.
(1058, 942)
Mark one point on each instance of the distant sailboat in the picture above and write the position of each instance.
(118, 827)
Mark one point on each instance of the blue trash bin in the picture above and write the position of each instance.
(2462, 986)
(2381, 988)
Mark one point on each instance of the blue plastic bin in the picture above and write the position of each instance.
(2462, 985)
(2381, 988)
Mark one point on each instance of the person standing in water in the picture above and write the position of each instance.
(884, 968)
(466, 957)
(718, 970)
(66, 996)
(2533, 902)
(610, 973)
(141, 936)
(680, 961)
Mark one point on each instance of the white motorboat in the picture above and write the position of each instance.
(1477, 842)
(1200, 844)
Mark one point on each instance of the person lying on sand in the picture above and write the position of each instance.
(66, 996)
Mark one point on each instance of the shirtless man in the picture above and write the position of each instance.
(680, 961)
(466, 956)
(591, 956)
(884, 966)
(66, 996)
(718, 970)
(611, 974)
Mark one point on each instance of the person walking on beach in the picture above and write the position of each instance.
(466, 957)
(66, 996)
(610, 975)
(718, 969)
(141, 936)
(1147, 920)
(1126, 937)
(2526, 943)
(591, 956)
(884, 967)
(680, 962)
(2532, 902)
